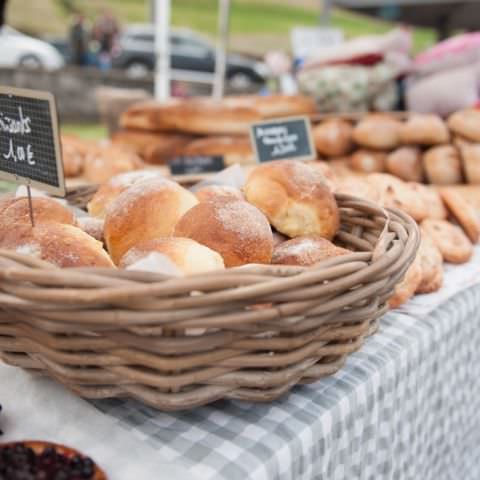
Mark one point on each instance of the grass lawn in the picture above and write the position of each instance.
(91, 131)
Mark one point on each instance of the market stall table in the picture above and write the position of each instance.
(407, 406)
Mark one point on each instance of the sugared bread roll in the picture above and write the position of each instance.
(188, 255)
(238, 231)
(333, 138)
(91, 225)
(442, 165)
(45, 210)
(306, 251)
(145, 211)
(424, 129)
(211, 192)
(294, 197)
(466, 123)
(378, 132)
(406, 163)
(368, 161)
(60, 244)
(108, 192)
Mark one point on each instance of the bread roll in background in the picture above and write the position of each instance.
(104, 162)
(238, 231)
(470, 154)
(45, 210)
(60, 244)
(73, 155)
(188, 255)
(466, 123)
(333, 138)
(359, 187)
(368, 161)
(325, 170)
(424, 129)
(406, 163)
(233, 149)
(377, 132)
(306, 251)
(109, 191)
(442, 165)
(294, 197)
(210, 192)
(145, 211)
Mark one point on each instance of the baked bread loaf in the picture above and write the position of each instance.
(188, 255)
(60, 244)
(145, 211)
(45, 210)
(104, 162)
(73, 155)
(333, 138)
(431, 263)
(294, 197)
(466, 123)
(233, 149)
(406, 164)
(109, 191)
(210, 192)
(442, 165)
(154, 148)
(306, 251)
(408, 286)
(368, 161)
(238, 231)
(470, 153)
(377, 131)
(93, 226)
(325, 170)
(200, 115)
(453, 244)
(424, 129)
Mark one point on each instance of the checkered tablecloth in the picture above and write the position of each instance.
(407, 406)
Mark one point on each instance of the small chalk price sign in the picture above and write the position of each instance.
(29, 141)
(196, 164)
(280, 139)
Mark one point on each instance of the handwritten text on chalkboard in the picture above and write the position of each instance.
(17, 126)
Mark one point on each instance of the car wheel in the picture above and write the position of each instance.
(241, 81)
(30, 61)
(137, 69)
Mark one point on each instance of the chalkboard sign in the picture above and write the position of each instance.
(283, 138)
(196, 164)
(29, 142)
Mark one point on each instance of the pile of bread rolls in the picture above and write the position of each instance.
(422, 148)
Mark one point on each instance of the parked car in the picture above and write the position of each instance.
(189, 51)
(19, 50)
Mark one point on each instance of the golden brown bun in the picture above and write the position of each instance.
(306, 251)
(453, 244)
(273, 105)
(470, 153)
(60, 244)
(406, 163)
(368, 161)
(238, 231)
(154, 148)
(333, 138)
(197, 115)
(407, 286)
(73, 155)
(104, 162)
(431, 263)
(442, 165)
(93, 226)
(145, 211)
(211, 192)
(45, 210)
(108, 192)
(188, 255)
(466, 123)
(233, 149)
(377, 132)
(294, 197)
(424, 129)
(431, 199)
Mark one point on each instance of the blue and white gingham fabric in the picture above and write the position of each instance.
(407, 406)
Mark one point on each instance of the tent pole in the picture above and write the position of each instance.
(162, 49)
(221, 54)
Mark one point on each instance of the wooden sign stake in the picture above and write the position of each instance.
(30, 205)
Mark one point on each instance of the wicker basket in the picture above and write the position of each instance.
(247, 333)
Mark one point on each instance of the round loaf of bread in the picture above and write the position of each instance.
(109, 191)
(91, 225)
(466, 123)
(333, 138)
(368, 161)
(378, 132)
(238, 231)
(442, 165)
(73, 155)
(145, 211)
(294, 197)
(424, 129)
(60, 244)
(324, 168)
(45, 210)
(210, 192)
(233, 149)
(188, 255)
(306, 251)
(406, 163)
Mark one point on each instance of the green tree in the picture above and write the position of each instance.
(67, 5)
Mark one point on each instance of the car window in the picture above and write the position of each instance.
(189, 46)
